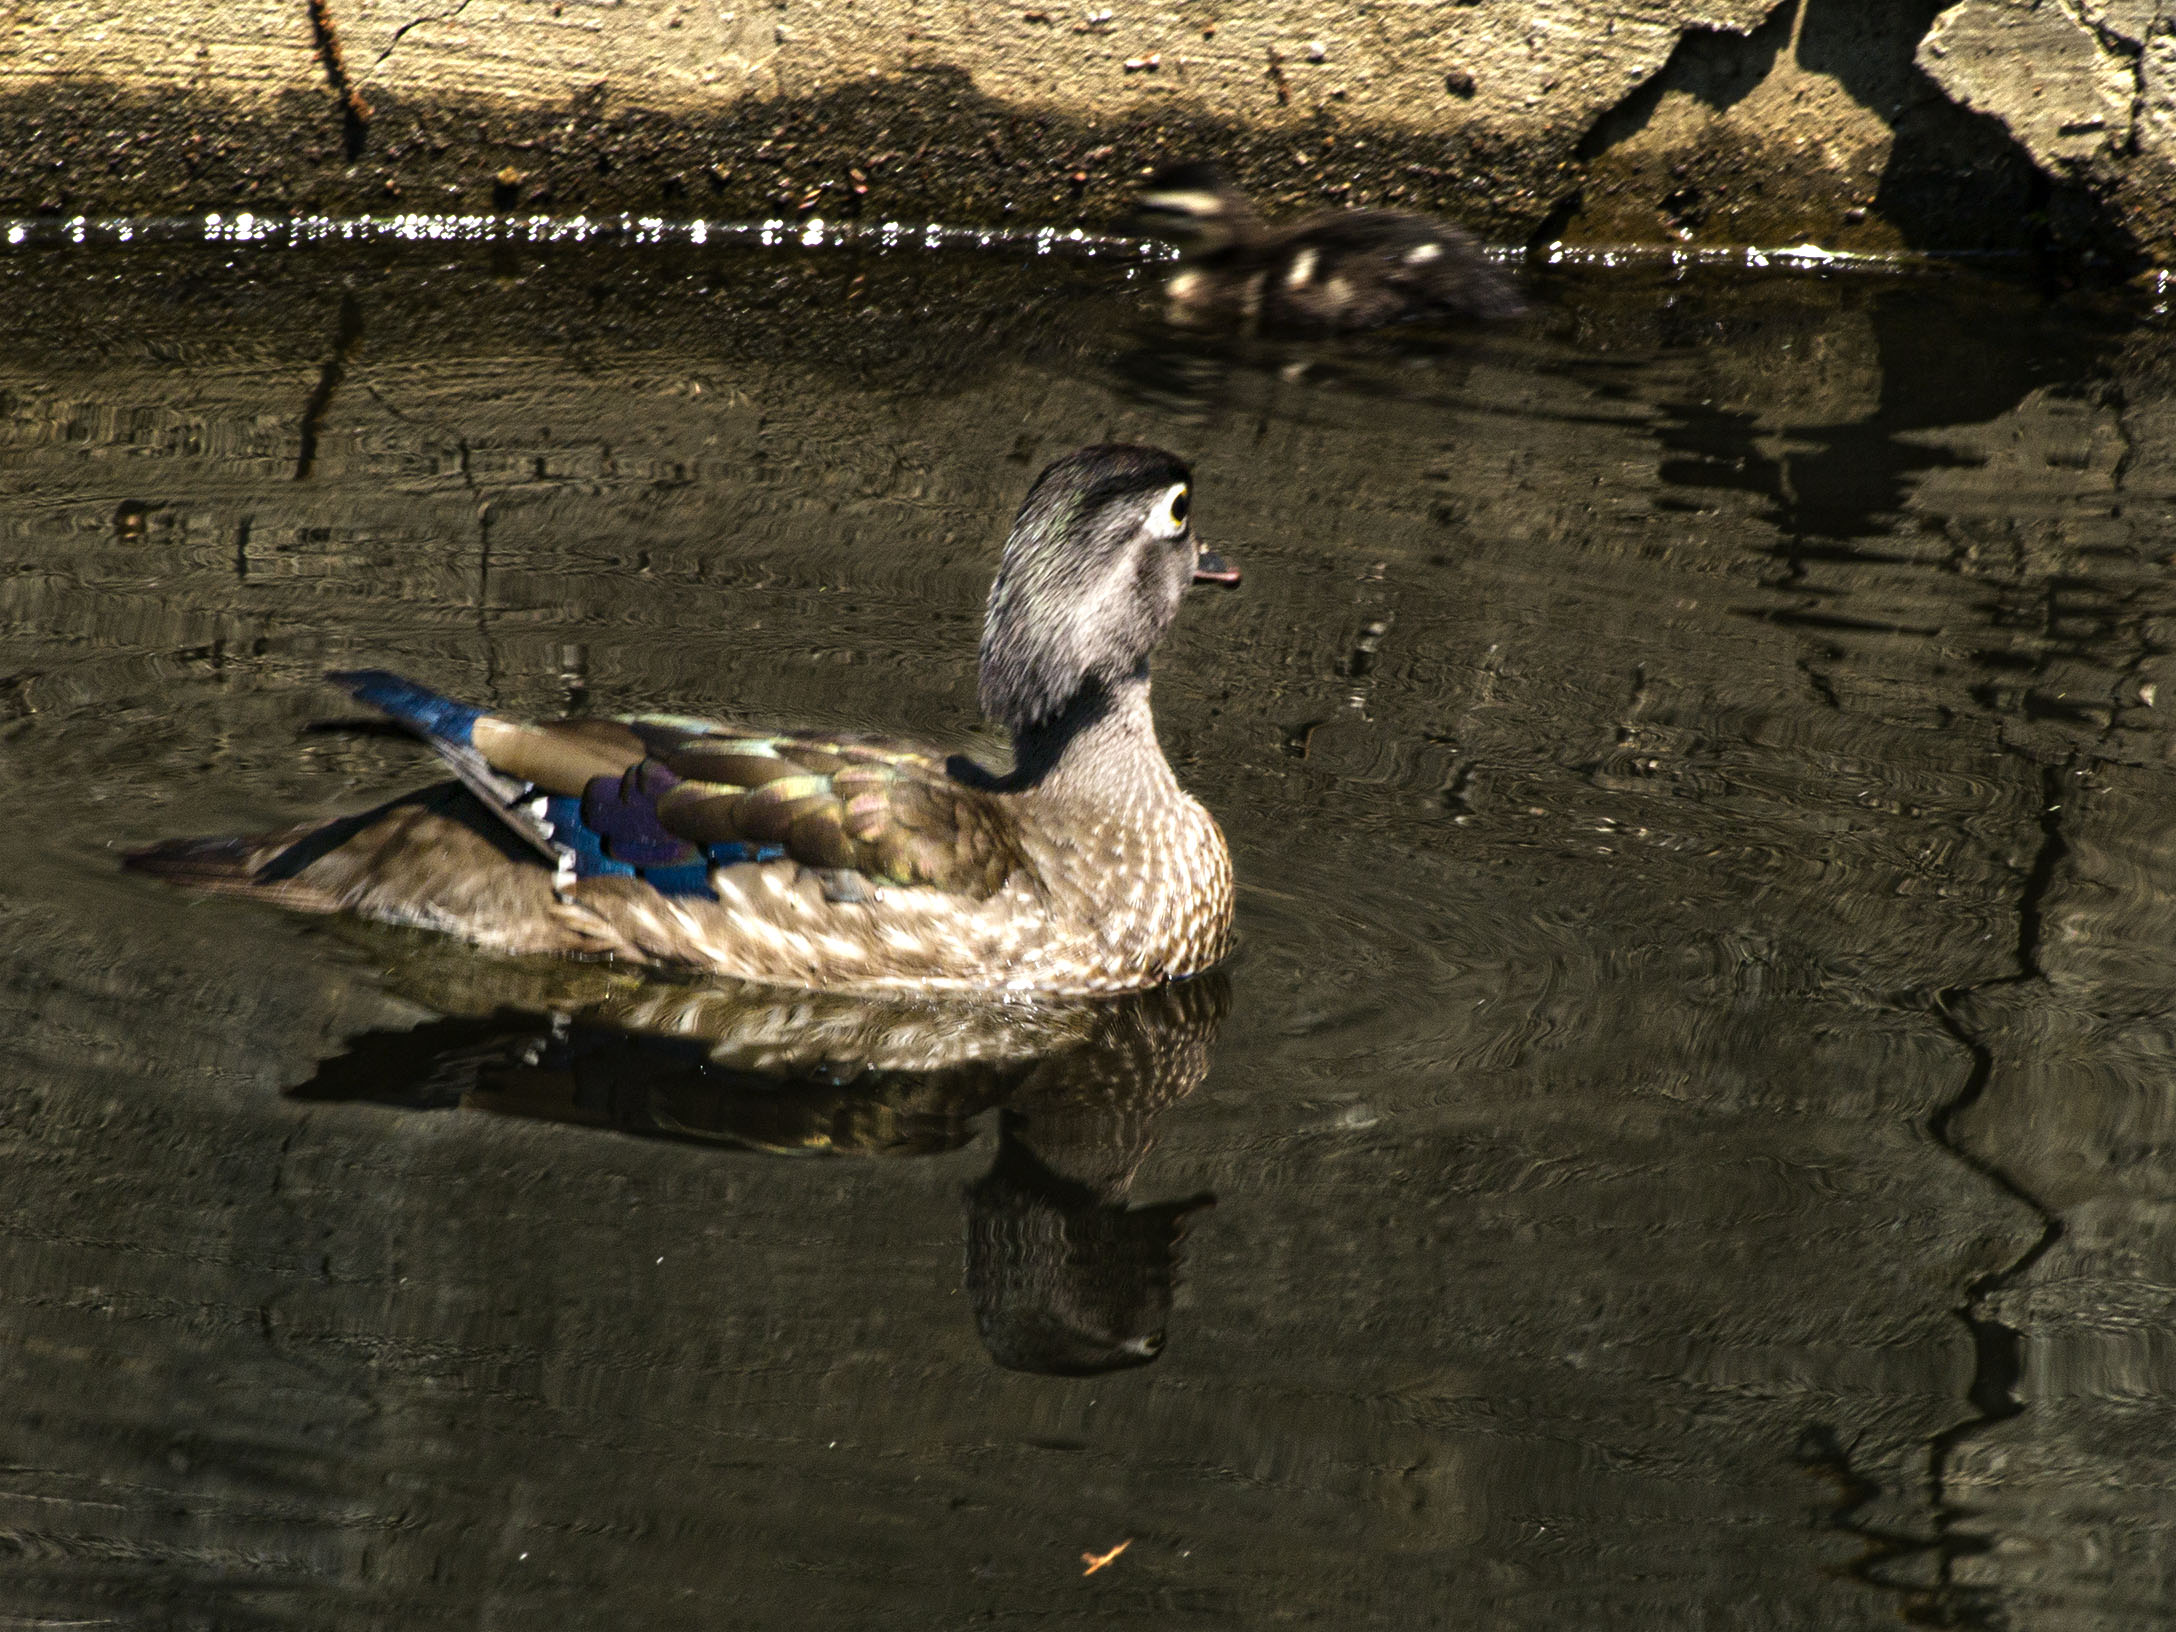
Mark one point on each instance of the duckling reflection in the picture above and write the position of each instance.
(1065, 1275)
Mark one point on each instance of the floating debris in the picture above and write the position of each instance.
(1096, 1561)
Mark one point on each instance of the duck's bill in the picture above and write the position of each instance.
(1210, 568)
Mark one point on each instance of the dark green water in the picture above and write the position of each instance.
(1691, 1124)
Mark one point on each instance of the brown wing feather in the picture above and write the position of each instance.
(1356, 269)
(888, 811)
(884, 809)
(559, 756)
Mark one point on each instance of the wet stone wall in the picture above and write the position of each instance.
(1861, 125)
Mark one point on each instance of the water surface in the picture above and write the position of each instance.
(1689, 1124)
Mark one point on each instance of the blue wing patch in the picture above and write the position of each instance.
(419, 708)
(564, 817)
(622, 810)
(612, 831)
(725, 855)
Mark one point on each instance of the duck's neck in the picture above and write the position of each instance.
(1236, 227)
(1099, 750)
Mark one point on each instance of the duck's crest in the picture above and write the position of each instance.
(1070, 609)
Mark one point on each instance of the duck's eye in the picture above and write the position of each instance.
(1168, 518)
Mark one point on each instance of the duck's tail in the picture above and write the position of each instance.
(435, 858)
(449, 727)
(271, 866)
(277, 867)
(246, 864)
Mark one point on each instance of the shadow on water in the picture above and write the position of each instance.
(1926, 367)
(1690, 1127)
(1064, 1275)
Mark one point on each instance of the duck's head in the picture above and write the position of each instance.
(1063, 1282)
(1192, 205)
(1100, 555)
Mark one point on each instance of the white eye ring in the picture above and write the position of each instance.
(1168, 518)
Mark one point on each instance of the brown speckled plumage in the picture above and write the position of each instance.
(1334, 271)
(847, 863)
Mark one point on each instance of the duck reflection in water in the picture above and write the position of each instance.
(1065, 1275)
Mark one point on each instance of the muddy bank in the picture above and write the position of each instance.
(1857, 123)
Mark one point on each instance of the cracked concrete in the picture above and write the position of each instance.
(1859, 123)
(2087, 88)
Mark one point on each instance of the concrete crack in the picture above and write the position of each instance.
(354, 111)
(414, 22)
(347, 336)
(1633, 109)
(2113, 42)
(398, 34)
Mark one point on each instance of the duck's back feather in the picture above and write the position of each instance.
(666, 798)
(1338, 270)
(889, 811)
(1356, 269)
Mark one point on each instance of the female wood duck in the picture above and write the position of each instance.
(1334, 271)
(842, 862)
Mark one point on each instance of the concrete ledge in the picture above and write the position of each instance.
(1861, 123)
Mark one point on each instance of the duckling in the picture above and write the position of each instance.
(821, 860)
(1334, 271)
